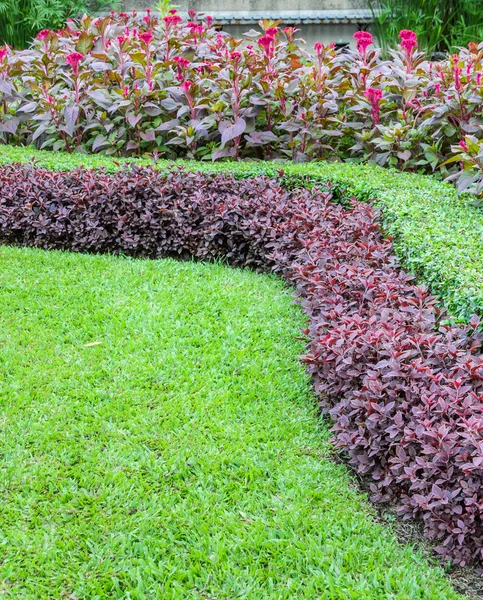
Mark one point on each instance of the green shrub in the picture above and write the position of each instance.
(438, 234)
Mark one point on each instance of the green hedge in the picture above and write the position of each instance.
(438, 235)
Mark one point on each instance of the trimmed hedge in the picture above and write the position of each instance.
(404, 392)
(437, 234)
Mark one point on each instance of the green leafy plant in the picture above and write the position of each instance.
(441, 25)
(21, 20)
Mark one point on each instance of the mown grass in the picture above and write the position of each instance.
(182, 456)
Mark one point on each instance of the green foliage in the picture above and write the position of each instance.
(441, 25)
(438, 234)
(183, 455)
(21, 20)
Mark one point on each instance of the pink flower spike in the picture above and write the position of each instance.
(73, 60)
(271, 31)
(3, 53)
(374, 96)
(146, 37)
(209, 21)
(186, 86)
(463, 145)
(364, 40)
(318, 47)
(44, 34)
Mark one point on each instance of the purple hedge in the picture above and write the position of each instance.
(404, 391)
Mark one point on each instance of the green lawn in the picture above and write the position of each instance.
(180, 457)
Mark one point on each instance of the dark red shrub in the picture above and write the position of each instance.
(404, 391)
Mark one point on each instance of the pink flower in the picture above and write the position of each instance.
(437, 88)
(271, 31)
(364, 40)
(191, 14)
(73, 60)
(266, 42)
(479, 76)
(183, 63)
(235, 56)
(318, 47)
(290, 33)
(123, 15)
(463, 145)
(186, 86)
(121, 39)
(409, 41)
(44, 34)
(125, 92)
(173, 11)
(374, 96)
(173, 19)
(146, 37)
(3, 53)
(209, 21)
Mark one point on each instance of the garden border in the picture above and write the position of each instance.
(438, 235)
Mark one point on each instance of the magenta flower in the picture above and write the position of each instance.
(209, 21)
(318, 47)
(146, 37)
(42, 35)
(463, 145)
(3, 53)
(173, 19)
(121, 39)
(409, 41)
(290, 33)
(73, 60)
(183, 63)
(479, 76)
(374, 96)
(266, 42)
(186, 86)
(235, 56)
(272, 31)
(364, 40)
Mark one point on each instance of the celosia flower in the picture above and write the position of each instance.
(209, 21)
(463, 145)
(479, 76)
(186, 86)
(146, 37)
(364, 40)
(121, 39)
(172, 20)
(290, 33)
(318, 47)
(125, 92)
(173, 11)
(73, 60)
(266, 42)
(191, 14)
(44, 34)
(3, 52)
(271, 31)
(374, 96)
(409, 41)
(235, 56)
(181, 62)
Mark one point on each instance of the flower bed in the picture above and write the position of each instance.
(131, 85)
(405, 392)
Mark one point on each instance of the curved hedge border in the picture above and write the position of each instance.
(405, 393)
(438, 235)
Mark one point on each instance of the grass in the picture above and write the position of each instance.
(160, 440)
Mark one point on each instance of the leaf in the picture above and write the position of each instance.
(100, 98)
(168, 125)
(92, 344)
(223, 153)
(98, 66)
(71, 112)
(99, 141)
(85, 43)
(133, 119)
(233, 131)
(10, 126)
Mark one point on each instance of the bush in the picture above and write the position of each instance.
(130, 86)
(404, 391)
(437, 235)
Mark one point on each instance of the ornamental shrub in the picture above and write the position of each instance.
(404, 391)
(148, 85)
